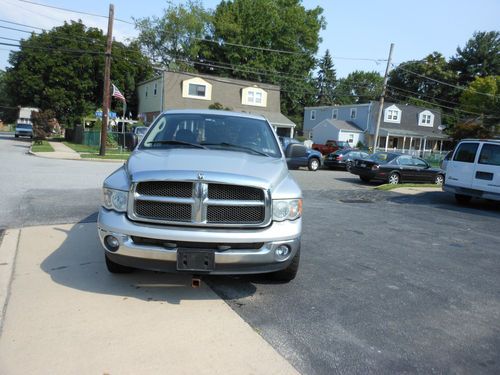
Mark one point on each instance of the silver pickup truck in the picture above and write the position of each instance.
(204, 192)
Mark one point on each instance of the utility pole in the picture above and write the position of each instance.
(107, 72)
(382, 98)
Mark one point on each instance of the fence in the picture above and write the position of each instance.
(119, 142)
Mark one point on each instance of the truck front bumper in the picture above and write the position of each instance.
(163, 257)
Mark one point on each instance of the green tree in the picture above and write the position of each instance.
(62, 70)
(174, 39)
(326, 80)
(359, 87)
(479, 58)
(483, 96)
(469, 129)
(8, 112)
(410, 80)
(272, 26)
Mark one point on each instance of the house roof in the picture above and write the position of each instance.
(275, 118)
(341, 125)
(424, 133)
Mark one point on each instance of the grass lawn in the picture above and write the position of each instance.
(122, 156)
(44, 147)
(398, 186)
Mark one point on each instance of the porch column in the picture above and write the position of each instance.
(404, 143)
(420, 145)
(411, 142)
(386, 141)
(425, 143)
(441, 146)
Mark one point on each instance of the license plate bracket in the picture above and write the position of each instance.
(195, 260)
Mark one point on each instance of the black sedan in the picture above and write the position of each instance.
(395, 168)
(344, 158)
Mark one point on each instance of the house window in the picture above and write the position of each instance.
(313, 115)
(254, 96)
(335, 114)
(392, 114)
(353, 113)
(155, 89)
(146, 92)
(350, 138)
(196, 88)
(426, 118)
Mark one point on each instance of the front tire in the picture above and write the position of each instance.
(313, 164)
(289, 273)
(348, 166)
(394, 178)
(462, 199)
(115, 267)
(439, 179)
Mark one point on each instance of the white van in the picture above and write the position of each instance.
(474, 170)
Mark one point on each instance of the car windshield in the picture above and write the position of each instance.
(214, 131)
(382, 157)
(343, 144)
(24, 126)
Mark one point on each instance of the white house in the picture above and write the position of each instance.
(338, 130)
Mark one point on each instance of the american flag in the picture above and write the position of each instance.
(117, 94)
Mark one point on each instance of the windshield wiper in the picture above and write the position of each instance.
(237, 146)
(172, 142)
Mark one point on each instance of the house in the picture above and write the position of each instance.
(177, 90)
(405, 128)
(338, 130)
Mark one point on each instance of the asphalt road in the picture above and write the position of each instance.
(388, 283)
(45, 191)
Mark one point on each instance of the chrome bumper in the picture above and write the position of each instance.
(237, 261)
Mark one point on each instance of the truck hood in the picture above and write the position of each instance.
(211, 165)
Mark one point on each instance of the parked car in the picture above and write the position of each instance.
(395, 168)
(474, 170)
(330, 146)
(205, 192)
(344, 158)
(139, 132)
(23, 130)
(297, 155)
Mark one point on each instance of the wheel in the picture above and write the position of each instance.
(462, 199)
(439, 179)
(365, 179)
(393, 178)
(115, 267)
(348, 166)
(289, 273)
(313, 164)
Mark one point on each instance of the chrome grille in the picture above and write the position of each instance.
(200, 203)
(235, 214)
(234, 192)
(166, 189)
(163, 211)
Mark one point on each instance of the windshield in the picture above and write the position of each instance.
(214, 132)
(24, 126)
(382, 157)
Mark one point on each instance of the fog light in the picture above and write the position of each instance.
(282, 252)
(112, 243)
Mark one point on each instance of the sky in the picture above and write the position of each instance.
(357, 31)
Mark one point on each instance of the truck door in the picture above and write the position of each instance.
(296, 155)
(486, 175)
(461, 167)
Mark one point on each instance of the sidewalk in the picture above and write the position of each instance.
(66, 314)
(61, 151)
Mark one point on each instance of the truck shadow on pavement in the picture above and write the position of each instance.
(78, 263)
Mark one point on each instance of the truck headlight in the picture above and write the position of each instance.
(114, 199)
(287, 209)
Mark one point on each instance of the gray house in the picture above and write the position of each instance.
(405, 128)
(174, 90)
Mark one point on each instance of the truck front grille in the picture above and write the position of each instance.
(200, 204)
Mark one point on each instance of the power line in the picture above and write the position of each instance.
(57, 49)
(424, 95)
(442, 83)
(20, 24)
(74, 11)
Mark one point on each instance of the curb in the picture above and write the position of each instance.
(81, 159)
(8, 254)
